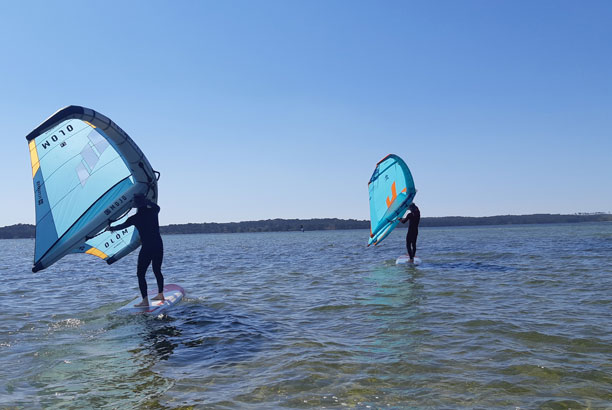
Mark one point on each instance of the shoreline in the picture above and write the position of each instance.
(20, 231)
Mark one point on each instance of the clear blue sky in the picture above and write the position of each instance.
(281, 109)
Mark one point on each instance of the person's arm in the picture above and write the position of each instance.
(153, 205)
(406, 219)
(128, 223)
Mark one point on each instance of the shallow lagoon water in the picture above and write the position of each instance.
(495, 317)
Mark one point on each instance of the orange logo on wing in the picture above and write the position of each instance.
(393, 194)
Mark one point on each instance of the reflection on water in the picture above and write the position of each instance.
(158, 342)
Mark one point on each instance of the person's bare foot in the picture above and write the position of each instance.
(160, 296)
(144, 303)
(411, 260)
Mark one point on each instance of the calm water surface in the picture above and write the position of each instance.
(495, 317)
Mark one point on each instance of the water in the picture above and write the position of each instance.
(495, 317)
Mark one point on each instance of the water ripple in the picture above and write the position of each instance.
(495, 317)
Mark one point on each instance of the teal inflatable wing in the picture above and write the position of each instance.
(86, 171)
(392, 191)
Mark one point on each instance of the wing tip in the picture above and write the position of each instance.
(59, 115)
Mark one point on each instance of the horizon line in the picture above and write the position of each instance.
(367, 220)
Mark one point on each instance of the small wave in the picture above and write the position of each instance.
(325, 308)
(563, 405)
(536, 371)
(576, 345)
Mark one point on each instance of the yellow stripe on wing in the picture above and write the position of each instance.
(96, 252)
(34, 157)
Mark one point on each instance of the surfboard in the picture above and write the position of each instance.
(405, 259)
(172, 294)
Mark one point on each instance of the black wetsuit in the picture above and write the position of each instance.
(413, 231)
(152, 249)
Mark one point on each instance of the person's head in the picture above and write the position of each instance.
(139, 200)
(413, 207)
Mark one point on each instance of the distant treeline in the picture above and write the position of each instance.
(17, 231)
(269, 225)
(515, 219)
(284, 225)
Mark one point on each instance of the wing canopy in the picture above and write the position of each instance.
(86, 171)
(391, 190)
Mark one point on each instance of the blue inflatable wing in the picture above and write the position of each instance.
(392, 191)
(86, 171)
(111, 246)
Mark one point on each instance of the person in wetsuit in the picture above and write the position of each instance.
(413, 230)
(152, 250)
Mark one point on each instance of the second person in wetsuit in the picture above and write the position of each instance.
(147, 223)
(413, 230)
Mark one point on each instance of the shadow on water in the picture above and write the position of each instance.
(471, 267)
(159, 341)
(438, 263)
(194, 334)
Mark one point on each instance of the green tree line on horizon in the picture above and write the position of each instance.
(323, 224)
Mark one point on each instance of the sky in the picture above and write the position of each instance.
(281, 109)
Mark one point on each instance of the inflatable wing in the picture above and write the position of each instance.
(391, 190)
(86, 171)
